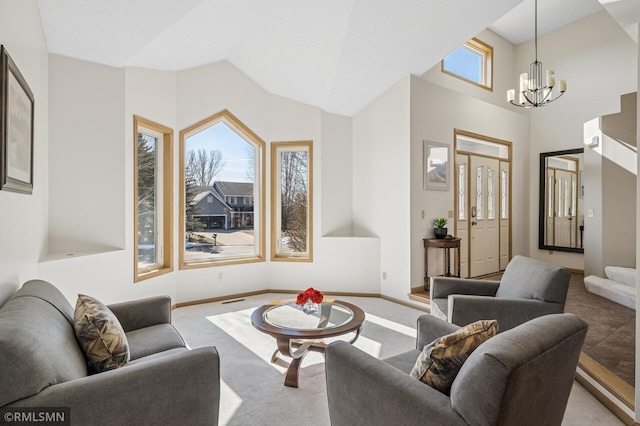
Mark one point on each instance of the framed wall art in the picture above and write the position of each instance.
(16, 128)
(436, 166)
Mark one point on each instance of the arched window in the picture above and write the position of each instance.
(222, 161)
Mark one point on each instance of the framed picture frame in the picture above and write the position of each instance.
(436, 166)
(16, 128)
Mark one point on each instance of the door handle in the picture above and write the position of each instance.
(473, 211)
(473, 222)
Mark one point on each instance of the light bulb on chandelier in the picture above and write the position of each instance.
(532, 92)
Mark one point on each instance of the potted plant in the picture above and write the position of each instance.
(440, 231)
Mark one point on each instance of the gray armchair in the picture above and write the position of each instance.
(519, 377)
(528, 289)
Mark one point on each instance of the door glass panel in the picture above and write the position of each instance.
(560, 198)
(572, 212)
(550, 197)
(480, 192)
(567, 198)
(462, 192)
(504, 186)
(490, 199)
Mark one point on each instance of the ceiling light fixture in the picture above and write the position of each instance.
(532, 93)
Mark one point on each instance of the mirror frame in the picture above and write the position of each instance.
(541, 201)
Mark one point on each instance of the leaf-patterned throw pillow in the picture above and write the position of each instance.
(100, 334)
(440, 360)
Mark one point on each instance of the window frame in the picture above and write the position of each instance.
(276, 148)
(165, 264)
(244, 132)
(486, 51)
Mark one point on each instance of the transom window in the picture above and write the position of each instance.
(221, 160)
(472, 62)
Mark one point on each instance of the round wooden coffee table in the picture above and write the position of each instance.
(298, 333)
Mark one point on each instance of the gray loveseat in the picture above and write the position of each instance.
(43, 365)
(520, 377)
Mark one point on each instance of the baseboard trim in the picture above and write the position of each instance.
(407, 304)
(219, 299)
(280, 291)
(257, 292)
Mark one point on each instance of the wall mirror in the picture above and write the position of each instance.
(561, 218)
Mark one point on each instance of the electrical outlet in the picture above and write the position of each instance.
(220, 276)
(384, 275)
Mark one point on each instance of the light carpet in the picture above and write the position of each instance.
(252, 388)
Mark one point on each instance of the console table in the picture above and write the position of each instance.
(446, 245)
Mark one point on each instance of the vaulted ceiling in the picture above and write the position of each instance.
(338, 55)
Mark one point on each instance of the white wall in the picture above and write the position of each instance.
(24, 217)
(381, 184)
(178, 100)
(337, 179)
(86, 157)
(599, 66)
(435, 113)
(98, 228)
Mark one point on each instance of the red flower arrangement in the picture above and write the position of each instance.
(310, 293)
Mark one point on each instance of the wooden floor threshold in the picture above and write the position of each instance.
(612, 384)
(422, 297)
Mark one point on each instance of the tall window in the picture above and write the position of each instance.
(504, 194)
(222, 160)
(472, 62)
(153, 194)
(291, 201)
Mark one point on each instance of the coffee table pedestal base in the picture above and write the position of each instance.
(296, 350)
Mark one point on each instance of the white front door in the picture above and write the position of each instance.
(484, 230)
(482, 182)
(565, 206)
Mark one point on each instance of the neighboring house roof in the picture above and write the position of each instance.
(234, 189)
(201, 188)
(202, 195)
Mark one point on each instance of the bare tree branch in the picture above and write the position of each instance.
(204, 166)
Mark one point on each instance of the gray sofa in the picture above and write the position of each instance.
(520, 377)
(528, 289)
(43, 365)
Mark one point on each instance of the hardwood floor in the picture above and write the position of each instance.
(611, 337)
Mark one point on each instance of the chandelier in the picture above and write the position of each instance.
(532, 93)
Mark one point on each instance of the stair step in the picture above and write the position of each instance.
(420, 296)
